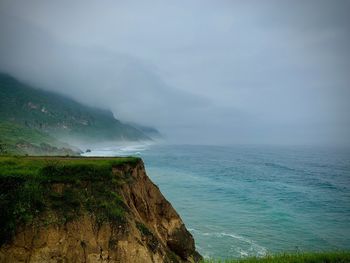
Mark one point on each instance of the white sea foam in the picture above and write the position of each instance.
(113, 149)
(243, 253)
(252, 249)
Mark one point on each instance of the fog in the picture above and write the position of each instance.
(209, 72)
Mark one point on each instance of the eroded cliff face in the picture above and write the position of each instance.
(151, 230)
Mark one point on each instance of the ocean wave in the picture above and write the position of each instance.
(261, 251)
(118, 150)
(252, 249)
(279, 166)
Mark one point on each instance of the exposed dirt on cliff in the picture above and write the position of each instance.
(150, 231)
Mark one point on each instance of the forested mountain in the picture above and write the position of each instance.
(33, 111)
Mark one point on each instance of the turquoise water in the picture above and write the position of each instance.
(240, 201)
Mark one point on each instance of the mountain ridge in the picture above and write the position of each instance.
(60, 116)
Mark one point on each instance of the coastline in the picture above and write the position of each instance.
(243, 201)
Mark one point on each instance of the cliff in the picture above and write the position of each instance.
(87, 210)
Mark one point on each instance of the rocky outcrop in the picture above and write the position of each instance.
(151, 230)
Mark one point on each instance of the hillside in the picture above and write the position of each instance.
(57, 209)
(149, 131)
(21, 140)
(59, 116)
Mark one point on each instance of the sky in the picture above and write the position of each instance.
(201, 72)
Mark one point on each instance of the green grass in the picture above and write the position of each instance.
(21, 140)
(303, 257)
(12, 133)
(60, 168)
(31, 188)
(59, 116)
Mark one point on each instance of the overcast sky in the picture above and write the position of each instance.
(257, 72)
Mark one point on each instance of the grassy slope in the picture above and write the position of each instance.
(58, 115)
(307, 257)
(17, 139)
(11, 133)
(26, 190)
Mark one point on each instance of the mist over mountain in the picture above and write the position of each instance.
(30, 117)
(238, 110)
(200, 71)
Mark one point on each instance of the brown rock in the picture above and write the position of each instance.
(153, 231)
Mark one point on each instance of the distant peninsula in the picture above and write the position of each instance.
(38, 122)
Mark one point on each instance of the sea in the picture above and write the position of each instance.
(240, 201)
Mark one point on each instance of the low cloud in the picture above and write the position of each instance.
(200, 71)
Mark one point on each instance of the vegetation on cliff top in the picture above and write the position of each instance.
(304, 257)
(61, 189)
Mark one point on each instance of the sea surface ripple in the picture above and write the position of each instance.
(242, 201)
